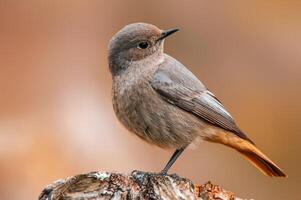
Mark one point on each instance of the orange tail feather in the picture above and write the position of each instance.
(251, 153)
(265, 165)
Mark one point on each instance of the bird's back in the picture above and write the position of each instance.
(178, 72)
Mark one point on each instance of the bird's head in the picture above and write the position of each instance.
(135, 42)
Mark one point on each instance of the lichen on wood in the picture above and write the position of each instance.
(137, 185)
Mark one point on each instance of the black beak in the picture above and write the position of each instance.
(167, 33)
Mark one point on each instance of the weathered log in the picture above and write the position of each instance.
(137, 185)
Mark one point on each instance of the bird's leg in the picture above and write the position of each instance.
(173, 159)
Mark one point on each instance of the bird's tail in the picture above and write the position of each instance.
(264, 164)
(251, 153)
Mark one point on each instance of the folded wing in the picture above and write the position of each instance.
(198, 100)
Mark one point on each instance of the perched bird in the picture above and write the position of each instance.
(162, 102)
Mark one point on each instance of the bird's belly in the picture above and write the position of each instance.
(154, 120)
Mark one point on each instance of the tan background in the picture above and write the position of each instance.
(56, 117)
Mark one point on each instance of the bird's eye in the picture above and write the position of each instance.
(143, 45)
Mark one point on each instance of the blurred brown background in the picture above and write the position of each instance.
(56, 118)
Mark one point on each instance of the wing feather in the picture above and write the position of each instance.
(199, 102)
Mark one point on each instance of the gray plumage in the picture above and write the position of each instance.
(180, 87)
(162, 102)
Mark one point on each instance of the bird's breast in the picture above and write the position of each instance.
(131, 97)
(142, 111)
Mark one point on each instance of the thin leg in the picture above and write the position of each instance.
(173, 159)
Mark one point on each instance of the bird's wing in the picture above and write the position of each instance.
(198, 100)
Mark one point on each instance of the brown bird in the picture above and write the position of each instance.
(163, 103)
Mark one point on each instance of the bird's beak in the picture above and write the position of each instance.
(166, 33)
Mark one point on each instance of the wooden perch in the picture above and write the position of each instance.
(137, 185)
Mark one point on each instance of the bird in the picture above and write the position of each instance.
(157, 98)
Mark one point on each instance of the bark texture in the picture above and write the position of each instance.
(137, 185)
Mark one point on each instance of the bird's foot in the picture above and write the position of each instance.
(163, 172)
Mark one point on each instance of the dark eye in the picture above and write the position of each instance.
(143, 45)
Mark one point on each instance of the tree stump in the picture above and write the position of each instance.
(138, 185)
